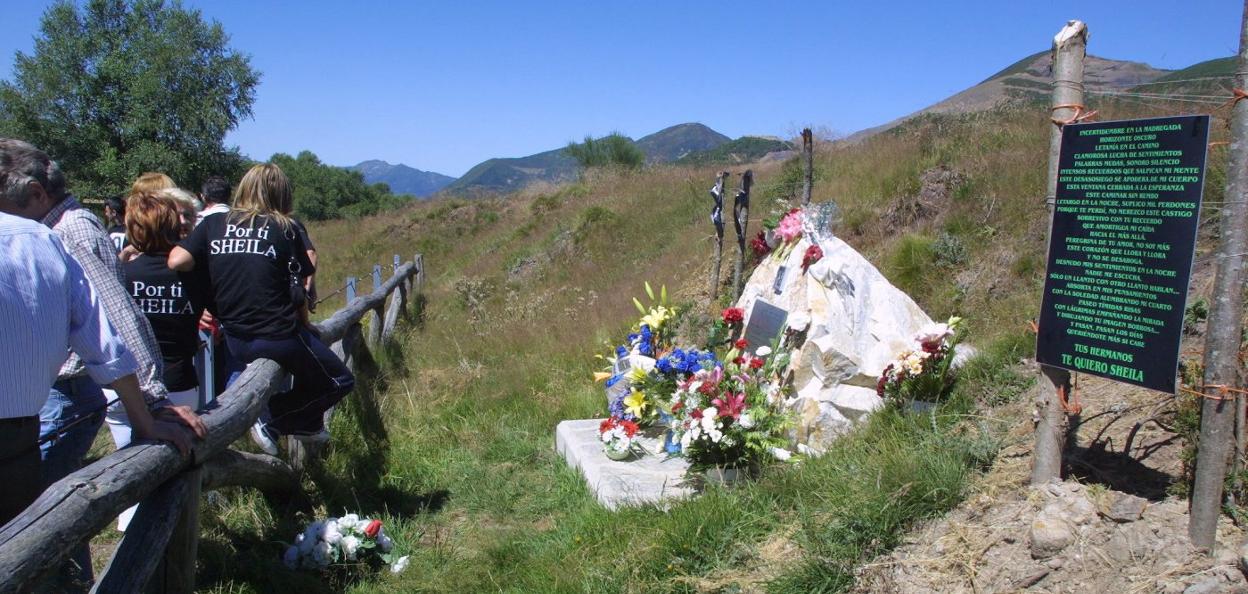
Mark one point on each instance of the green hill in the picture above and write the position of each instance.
(746, 149)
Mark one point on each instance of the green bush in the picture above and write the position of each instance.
(911, 265)
(612, 150)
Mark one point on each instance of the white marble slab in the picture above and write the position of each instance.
(647, 479)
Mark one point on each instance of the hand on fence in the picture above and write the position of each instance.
(209, 324)
(171, 432)
(182, 415)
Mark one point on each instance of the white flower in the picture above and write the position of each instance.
(781, 454)
(349, 546)
(331, 534)
(291, 558)
(384, 542)
(400, 565)
(348, 521)
(746, 421)
(762, 351)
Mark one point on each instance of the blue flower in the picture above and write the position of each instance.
(664, 365)
(621, 352)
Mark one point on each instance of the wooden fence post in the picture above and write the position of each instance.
(375, 315)
(1225, 325)
(741, 222)
(176, 572)
(808, 156)
(1069, 47)
(717, 219)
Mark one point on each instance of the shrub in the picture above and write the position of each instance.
(612, 150)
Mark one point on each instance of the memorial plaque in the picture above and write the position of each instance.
(1120, 253)
(766, 323)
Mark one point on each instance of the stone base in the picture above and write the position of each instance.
(647, 479)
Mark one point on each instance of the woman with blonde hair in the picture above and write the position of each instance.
(254, 260)
(150, 183)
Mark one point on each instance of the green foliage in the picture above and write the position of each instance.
(1196, 312)
(949, 250)
(741, 150)
(326, 192)
(612, 150)
(910, 265)
(120, 87)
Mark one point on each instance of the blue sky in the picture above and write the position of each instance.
(442, 86)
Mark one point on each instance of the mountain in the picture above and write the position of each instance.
(403, 179)
(670, 144)
(746, 149)
(506, 174)
(1029, 79)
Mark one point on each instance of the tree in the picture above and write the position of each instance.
(326, 192)
(126, 86)
(612, 150)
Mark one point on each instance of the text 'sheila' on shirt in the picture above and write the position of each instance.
(172, 303)
(248, 269)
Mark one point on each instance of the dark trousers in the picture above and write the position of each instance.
(19, 465)
(320, 378)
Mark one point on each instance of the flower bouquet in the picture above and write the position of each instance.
(924, 372)
(345, 541)
(728, 416)
(633, 361)
(618, 437)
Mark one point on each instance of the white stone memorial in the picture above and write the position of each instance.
(648, 479)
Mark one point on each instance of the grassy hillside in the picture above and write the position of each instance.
(451, 443)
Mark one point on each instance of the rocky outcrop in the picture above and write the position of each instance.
(854, 321)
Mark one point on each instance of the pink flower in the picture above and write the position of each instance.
(790, 227)
(813, 254)
(731, 406)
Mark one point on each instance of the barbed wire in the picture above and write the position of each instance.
(1184, 80)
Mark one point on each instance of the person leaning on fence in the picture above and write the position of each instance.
(169, 299)
(255, 260)
(72, 412)
(47, 306)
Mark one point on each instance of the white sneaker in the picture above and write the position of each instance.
(264, 437)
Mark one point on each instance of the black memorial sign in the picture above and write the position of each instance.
(766, 323)
(1120, 253)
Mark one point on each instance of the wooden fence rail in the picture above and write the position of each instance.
(167, 486)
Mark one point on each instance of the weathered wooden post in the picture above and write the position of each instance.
(375, 315)
(1217, 414)
(1069, 47)
(717, 219)
(741, 221)
(808, 156)
(176, 572)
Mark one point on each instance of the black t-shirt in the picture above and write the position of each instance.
(117, 233)
(248, 266)
(171, 302)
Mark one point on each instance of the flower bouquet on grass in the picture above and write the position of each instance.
(924, 372)
(633, 361)
(343, 542)
(729, 416)
(618, 437)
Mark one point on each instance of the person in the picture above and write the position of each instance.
(254, 259)
(72, 413)
(188, 207)
(47, 307)
(171, 303)
(151, 182)
(115, 218)
(215, 193)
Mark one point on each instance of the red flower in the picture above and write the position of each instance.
(372, 529)
(734, 315)
(732, 406)
(756, 363)
(696, 413)
(879, 386)
(759, 245)
(739, 360)
(813, 254)
(740, 344)
(630, 428)
(676, 407)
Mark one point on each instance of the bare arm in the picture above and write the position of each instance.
(181, 260)
(147, 427)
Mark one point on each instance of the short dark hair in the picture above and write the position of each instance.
(215, 190)
(118, 204)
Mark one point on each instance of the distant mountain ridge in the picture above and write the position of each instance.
(506, 174)
(1029, 78)
(403, 179)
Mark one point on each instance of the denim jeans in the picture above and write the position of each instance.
(68, 401)
(320, 378)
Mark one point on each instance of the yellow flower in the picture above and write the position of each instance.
(635, 403)
(655, 318)
(601, 375)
